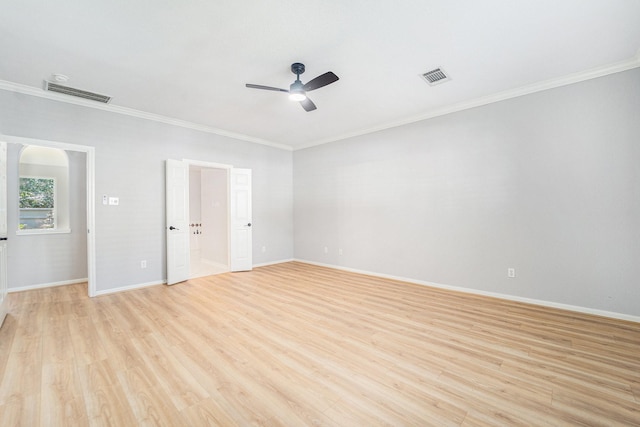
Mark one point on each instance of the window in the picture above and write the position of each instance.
(44, 193)
(37, 203)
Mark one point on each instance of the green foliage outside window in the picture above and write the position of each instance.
(36, 193)
(37, 199)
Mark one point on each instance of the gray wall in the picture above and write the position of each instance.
(48, 258)
(547, 183)
(130, 162)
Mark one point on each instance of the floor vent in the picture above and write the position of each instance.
(435, 77)
(58, 88)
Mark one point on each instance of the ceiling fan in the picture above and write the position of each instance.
(298, 91)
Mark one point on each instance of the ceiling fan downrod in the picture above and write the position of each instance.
(297, 68)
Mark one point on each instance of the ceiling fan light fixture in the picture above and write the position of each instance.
(296, 91)
(297, 96)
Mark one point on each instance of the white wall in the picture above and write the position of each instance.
(547, 183)
(130, 161)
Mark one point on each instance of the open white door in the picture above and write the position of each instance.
(3, 231)
(240, 209)
(177, 227)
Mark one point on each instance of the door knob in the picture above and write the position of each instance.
(249, 225)
(173, 228)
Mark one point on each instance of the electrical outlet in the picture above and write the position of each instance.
(326, 250)
(340, 251)
(264, 249)
(143, 263)
(511, 272)
(105, 199)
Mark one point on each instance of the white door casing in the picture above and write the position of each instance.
(3, 281)
(3, 189)
(240, 220)
(177, 227)
(3, 231)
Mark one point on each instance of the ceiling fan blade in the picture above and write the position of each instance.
(320, 81)
(308, 105)
(277, 89)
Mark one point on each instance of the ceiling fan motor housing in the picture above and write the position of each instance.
(296, 86)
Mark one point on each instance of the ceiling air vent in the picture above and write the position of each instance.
(55, 87)
(435, 77)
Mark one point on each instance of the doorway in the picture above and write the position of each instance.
(178, 226)
(208, 221)
(89, 178)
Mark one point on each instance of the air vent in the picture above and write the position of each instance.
(435, 77)
(55, 87)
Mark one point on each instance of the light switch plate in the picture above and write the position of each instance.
(114, 201)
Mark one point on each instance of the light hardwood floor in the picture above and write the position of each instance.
(296, 345)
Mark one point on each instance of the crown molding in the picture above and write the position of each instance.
(581, 76)
(33, 91)
(593, 73)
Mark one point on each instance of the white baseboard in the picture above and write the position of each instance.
(129, 287)
(585, 310)
(47, 285)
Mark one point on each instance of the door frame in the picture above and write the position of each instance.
(90, 208)
(4, 233)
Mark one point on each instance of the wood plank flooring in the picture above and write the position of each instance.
(299, 345)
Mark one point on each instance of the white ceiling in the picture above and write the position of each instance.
(190, 59)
